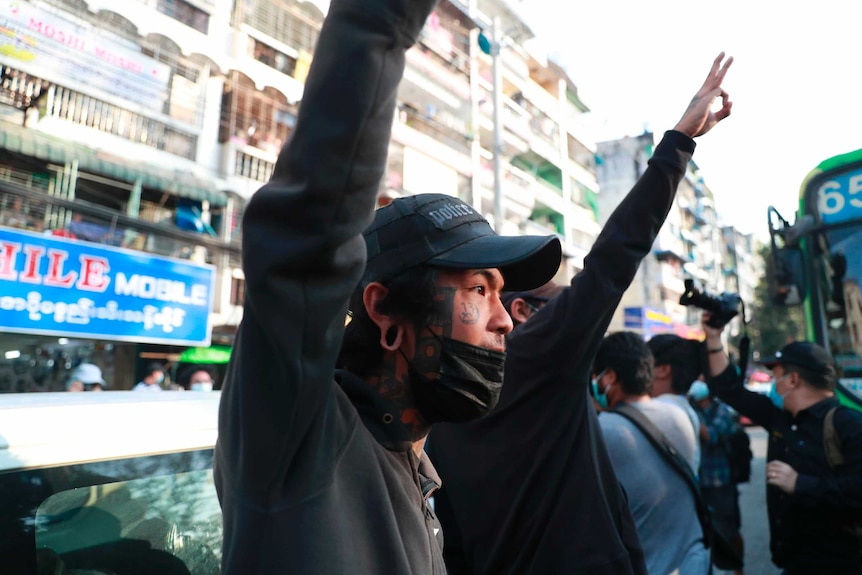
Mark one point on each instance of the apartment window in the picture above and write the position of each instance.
(185, 90)
(118, 24)
(77, 7)
(580, 154)
(186, 13)
(272, 57)
(237, 291)
(250, 117)
(291, 22)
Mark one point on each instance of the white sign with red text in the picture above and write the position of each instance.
(57, 49)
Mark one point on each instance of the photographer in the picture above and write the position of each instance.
(814, 457)
(679, 362)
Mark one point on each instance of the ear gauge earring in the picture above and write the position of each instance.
(391, 334)
(392, 339)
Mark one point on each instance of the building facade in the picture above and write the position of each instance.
(133, 133)
(693, 244)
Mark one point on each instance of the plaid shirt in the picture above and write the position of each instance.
(720, 421)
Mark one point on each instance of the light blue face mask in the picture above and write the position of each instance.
(776, 398)
(698, 390)
(601, 396)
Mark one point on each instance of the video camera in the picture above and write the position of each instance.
(723, 307)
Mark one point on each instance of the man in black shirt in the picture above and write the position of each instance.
(529, 488)
(814, 504)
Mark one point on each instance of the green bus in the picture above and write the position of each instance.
(817, 263)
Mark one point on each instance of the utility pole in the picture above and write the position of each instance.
(497, 72)
(491, 46)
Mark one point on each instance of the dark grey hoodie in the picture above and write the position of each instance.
(312, 476)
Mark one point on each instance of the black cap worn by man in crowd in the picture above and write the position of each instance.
(804, 354)
(442, 231)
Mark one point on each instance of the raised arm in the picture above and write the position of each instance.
(303, 252)
(574, 322)
(727, 383)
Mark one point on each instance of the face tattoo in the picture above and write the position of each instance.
(469, 380)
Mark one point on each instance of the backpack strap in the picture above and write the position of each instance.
(831, 441)
(677, 462)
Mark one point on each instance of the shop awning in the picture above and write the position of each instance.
(48, 148)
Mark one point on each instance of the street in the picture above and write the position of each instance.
(752, 503)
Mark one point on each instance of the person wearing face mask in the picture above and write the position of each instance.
(529, 488)
(663, 506)
(717, 485)
(153, 378)
(814, 505)
(86, 377)
(319, 464)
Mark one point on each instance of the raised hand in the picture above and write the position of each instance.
(699, 118)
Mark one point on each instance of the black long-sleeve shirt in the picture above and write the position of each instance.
(530, 487)
(816, 530)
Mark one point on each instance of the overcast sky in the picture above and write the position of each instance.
(796, 84)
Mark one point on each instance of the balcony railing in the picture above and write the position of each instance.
(84, 110)
(429, 126)
(446, 73)
(31, 208)
(253, 166)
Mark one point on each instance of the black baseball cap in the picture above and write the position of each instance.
(443, 231)
(804, 354)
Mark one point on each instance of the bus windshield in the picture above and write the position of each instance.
(840, 276)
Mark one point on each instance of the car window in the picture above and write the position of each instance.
(153, 514)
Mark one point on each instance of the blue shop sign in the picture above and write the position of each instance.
(63, 287)
(633, 317)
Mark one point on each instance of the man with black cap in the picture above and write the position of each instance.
(322, 471)
(814, 469)
(529, 488)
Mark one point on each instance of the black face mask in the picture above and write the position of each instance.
(469, 385)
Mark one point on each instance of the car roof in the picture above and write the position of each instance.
(48, 429)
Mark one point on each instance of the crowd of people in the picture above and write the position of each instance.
(556, 448)
(88, 377)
